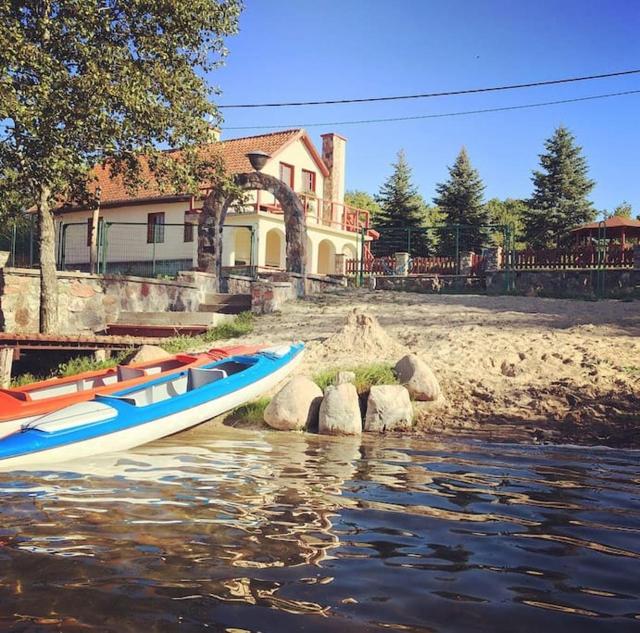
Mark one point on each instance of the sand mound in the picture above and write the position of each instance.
(362, 338)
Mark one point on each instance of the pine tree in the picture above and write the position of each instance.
(559, 201)
(401, 220)
(460, 201)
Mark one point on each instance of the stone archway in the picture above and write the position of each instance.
(214, 212)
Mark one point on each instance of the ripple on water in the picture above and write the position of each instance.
(231, 531)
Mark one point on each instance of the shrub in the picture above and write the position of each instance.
(366, 376)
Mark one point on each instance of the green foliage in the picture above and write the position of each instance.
(460, 201)
(623, 210)
(366, 376)
(241, 325)
(363, 200)
(510, 212)
(559, 201)
(80, 364)
(251, 413)
(23, 379)
(402, 210)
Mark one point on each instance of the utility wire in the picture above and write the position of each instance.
(433, 116)
(433, 94)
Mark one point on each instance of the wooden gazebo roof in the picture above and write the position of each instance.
(615, 226)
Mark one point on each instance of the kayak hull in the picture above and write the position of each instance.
(154, 429)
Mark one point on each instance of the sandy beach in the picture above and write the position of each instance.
(521, 367)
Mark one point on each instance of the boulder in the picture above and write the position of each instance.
(147, 354)
(388, 409)
(344, 377)
(340, 411)
(295, 406)
(418, 378)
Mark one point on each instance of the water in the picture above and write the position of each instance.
(226, 530)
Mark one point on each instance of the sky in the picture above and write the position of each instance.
(291, 50)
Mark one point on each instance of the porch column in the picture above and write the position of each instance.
(341, 264)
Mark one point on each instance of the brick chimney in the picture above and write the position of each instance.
(334, 149)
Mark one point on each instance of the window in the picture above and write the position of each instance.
(286, 173)
(90, 228)
(155, 228)
(308, 181)
(188, 227)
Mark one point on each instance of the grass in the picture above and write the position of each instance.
(241, 325)
(366, 376)
(250, 413)
(632, 370)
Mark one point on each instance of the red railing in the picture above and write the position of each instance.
(432, 265)
(417, 265)
(562, 258)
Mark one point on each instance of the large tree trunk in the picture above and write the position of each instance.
(47, 258)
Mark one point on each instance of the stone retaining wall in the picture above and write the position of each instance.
(565, 283)
(86, 303)
(430, 284)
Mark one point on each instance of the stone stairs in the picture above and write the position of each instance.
(225, 303)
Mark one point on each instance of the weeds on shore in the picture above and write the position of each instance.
(250, 413)
(241, 325)
(366, 376)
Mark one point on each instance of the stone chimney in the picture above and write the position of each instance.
(333, 153)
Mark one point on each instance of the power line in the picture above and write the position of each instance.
(432, 116)
(426, 95)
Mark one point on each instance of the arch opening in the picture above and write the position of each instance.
(326, 258)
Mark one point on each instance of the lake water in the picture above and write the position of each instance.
(228, 530)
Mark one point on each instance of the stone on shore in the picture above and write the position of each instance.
(418, 378)
(340, 411)
(343, 377)
(295, 407)
(389, 408)
(147, 354)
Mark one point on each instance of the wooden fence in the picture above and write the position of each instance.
(562, 258)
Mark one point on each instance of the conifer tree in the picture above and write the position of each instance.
(402, 217)
(460, 200)
(559, 201)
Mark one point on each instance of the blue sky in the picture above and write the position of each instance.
(310, 50)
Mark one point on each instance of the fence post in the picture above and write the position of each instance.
(602, 252)
(6, 361)
(636, 257)
(466, 263)
(401, 264)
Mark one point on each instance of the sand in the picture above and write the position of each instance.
(551, 368)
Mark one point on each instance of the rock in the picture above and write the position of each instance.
(418, 378)
(295, 407)
(147, 354)
(388, 409)
(343, 377)
(340, 411)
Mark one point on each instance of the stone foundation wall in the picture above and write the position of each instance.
(565, 283)
(86, 303)
(237, 284)
(430, 284)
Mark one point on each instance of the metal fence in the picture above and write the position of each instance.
(142, 249)
(18, 237)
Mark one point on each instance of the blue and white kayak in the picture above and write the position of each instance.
(149, 411)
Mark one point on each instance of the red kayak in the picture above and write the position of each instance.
(22, 404)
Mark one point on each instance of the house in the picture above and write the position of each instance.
(150, 232)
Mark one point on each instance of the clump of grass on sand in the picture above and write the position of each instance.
(366, 376)
(251, 413)
(80, 364)
(241, 325)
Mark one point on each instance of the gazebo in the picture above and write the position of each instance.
(616, 228)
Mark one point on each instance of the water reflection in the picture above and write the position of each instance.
(234, 530)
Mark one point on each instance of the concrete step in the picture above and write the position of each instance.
(204, 319)
(225, 303)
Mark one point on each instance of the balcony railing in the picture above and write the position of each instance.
(317, 211)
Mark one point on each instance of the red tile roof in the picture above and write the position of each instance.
(233, 153)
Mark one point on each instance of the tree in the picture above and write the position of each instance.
(559, 201)
(401, 220)
(362, 200)
(510, 212)
(623, 210)
(83, 83)
(460, 200)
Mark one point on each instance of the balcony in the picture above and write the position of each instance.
(317, 211)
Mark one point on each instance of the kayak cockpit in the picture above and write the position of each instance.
(180, 384)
